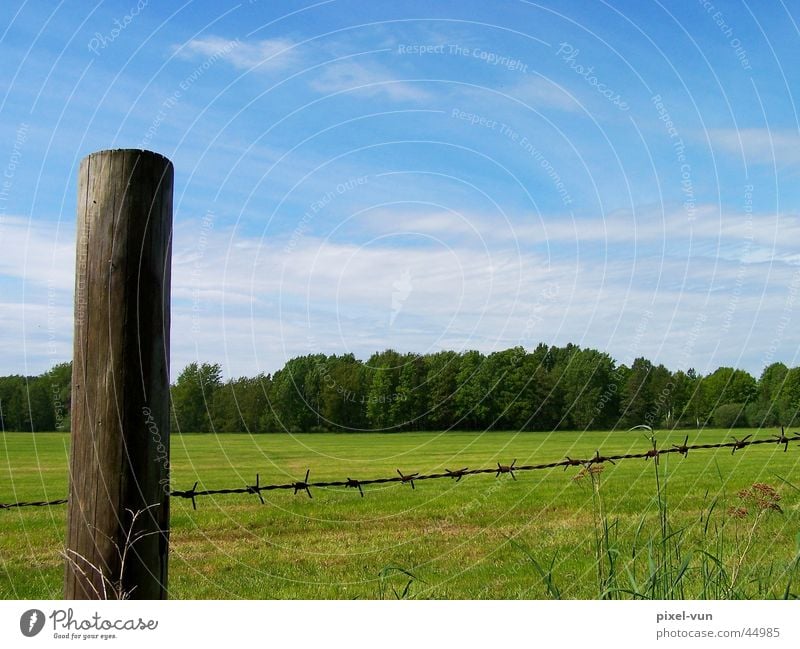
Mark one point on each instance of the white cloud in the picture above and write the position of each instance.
(32, 252)
(329, 296)
(366, 78)
(752, 238)
(279, 54)
(250, 303)
(759, 145)
(271, 54)
(538, 92)
(36, 334)
(434, 223)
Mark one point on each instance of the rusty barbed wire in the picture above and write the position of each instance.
(305, 486)
(36, 503)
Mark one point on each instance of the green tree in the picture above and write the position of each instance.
(193, 396)
(225, 410)
(526, 393)
(766, 409)
(26, 404)
(39, 414)
(441, 384)
(682, 388)
(384, 378)
(726, 385)
(12, 402)
(472, 405)
(697, 410)
(586, 381)
(239, 405)
(409, 408)
(59, 384)
(252, 397)
(662, 389)
(729, 415)
(548, 388)
(789, 399)
(295, 399)
(637, 399)
(344, 393)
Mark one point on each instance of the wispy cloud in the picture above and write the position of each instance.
(445, 224)
(280, 54)
(267, 303)
(268, 55)
(367, 79)
(33, 253)
(538, 92)
(759, 145)
(750, 238)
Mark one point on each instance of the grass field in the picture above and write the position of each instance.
(477, 538)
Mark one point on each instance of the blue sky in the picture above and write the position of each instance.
(422, 175)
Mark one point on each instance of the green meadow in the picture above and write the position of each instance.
(698, 529)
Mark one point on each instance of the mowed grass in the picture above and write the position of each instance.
(467, 539)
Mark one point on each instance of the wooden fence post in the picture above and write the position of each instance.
(118, 520)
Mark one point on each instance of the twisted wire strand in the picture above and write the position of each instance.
(305, 485)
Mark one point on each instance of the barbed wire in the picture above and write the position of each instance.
(305, 486)
(36, 503)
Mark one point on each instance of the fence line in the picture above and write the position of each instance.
(36, 503)
(305, 485)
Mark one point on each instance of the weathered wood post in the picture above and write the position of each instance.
(118, 520)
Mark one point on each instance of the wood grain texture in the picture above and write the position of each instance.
(119, 461)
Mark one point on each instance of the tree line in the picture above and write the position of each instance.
(549, 388)
(36, 403)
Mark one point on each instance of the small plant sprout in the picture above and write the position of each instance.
(111, 589)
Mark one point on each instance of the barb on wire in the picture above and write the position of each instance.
(305, 485)
(460, 473)
(506, 468)
(739, 443)
(782, 439)
(354, 484)
(191, 494)
(683, 449)
(408, 478)
(599, 459)
(256, 489)
(653, 452)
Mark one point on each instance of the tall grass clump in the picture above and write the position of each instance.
(604, 533)
(718, 555)
(658, 565)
